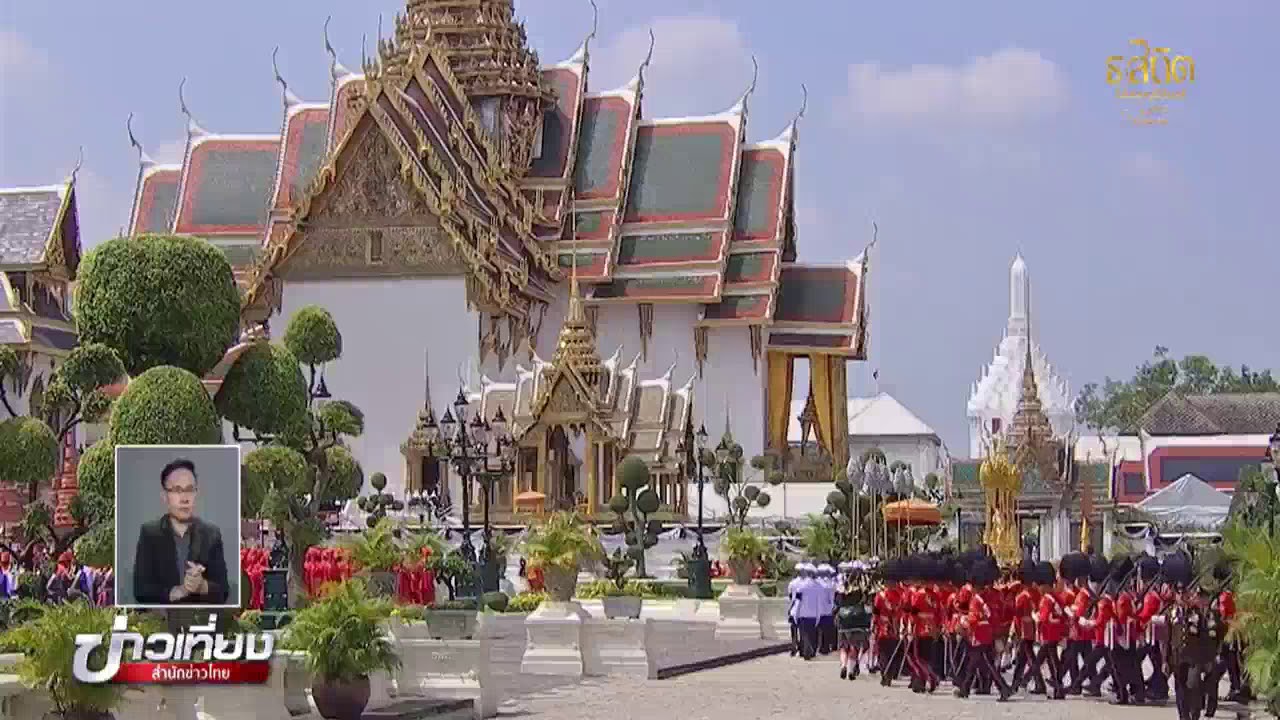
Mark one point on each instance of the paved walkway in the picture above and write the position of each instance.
(782, 687)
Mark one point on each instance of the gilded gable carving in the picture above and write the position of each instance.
(564, 399)
(370, 188)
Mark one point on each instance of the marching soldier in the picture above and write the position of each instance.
(1151, 618)
(1122, 635)
(1026, 604)
(1193, 642)
(981, 622)
(1051, 628)
(885, 609)
(1232, 650)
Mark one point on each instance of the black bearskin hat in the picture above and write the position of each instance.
(1027, 570)
(1074, 565)
(958, 571)
(984, 572)
(1099, 568)
(1121, 566)
(1148, 567)
(1177, 568)
(1045, 574)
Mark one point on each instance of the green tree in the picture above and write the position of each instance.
(1118, 405)
(31, 444)
(316, 429)
(159, 300)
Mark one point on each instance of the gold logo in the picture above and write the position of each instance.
(1149, 81)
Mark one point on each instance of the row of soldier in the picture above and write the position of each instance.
(1073, 629)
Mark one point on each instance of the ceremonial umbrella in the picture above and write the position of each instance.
(913, 512)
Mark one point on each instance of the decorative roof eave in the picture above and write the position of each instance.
(578, 65)
(53, 258)
(148, 171)
(291, 112)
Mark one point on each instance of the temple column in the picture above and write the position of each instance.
(592, 460)
(539, 473)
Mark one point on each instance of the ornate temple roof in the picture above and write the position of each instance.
(998, 392)
(683, 210)
(39, 254)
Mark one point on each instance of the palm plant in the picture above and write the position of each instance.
(376, 549)
(48, 644)
(560, 547)
(343, 636)
(1257, 554)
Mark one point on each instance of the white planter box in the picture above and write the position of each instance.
(739, 617)
(554, 640)
(775, 622)
(616, 647)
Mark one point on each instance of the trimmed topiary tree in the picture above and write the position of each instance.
(296, 412)
(28, 451)
(729, 482)
(267, 470)
(165, 406)
(264, 391)
(159, 300)
(632, 507)
(379, 502)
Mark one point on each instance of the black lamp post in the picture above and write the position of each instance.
(692, 446)
(479, 449)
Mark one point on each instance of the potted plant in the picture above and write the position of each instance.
(452, 619)
(378, 555)
(745, 551)
(619, 601)
(342, 635)
(48, 645)
(559, 547)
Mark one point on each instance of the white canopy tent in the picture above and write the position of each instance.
(1188, 502)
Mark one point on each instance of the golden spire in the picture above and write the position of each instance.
(576, 348)
(1030, 435)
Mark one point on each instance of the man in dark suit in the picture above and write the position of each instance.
(179, 559)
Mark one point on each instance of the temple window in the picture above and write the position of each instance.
(375, 246)
(995, 425)
(488, 108)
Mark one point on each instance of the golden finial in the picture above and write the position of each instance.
(804, 103)
(76, 170)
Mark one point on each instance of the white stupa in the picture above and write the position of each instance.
(993, 399)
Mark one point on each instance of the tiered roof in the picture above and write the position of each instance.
(39, 256)
(681, 210)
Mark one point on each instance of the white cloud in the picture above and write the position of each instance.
(700, 64)
(1004, 87)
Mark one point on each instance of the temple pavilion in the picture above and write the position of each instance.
(438, 201)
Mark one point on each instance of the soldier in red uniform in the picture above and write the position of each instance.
(1051, 629)
(1085, 646)
(1150, 619)
(1094, 619)
(1025, 604)
(885, 611)
(923, 626)
(1123, 639)
(981, 624)
(1232, 651)
(957, 604)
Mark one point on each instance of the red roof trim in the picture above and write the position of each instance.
(567, 106)
(724, 179)
(194, 168)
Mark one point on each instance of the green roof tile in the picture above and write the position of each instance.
(678, 172)
(813, 295)
(668, 248)
(759, 190)
(557, 124)
(232, 187)
(603, 122)
(748, 267)
(733, 307)
(240, 255)
(311, 152)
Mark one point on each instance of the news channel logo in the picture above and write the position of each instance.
(177, 526)
(1149, 82)
(199, 655)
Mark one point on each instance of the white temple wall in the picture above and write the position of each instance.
(387, 327)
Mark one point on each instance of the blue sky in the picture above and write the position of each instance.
(968, 131)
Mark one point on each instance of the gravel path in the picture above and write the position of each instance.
(782, 687)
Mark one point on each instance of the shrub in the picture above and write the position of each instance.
(96, 473)
(343, 636)
(97, 548)
(495, 601)
(526, 602)
(165, 406)
(273, 467)
(159, 300)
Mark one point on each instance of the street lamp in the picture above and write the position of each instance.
(693, 446)
(476, 449)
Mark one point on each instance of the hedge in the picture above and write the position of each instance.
(264, 390)
(159, 300)
(165, 406)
